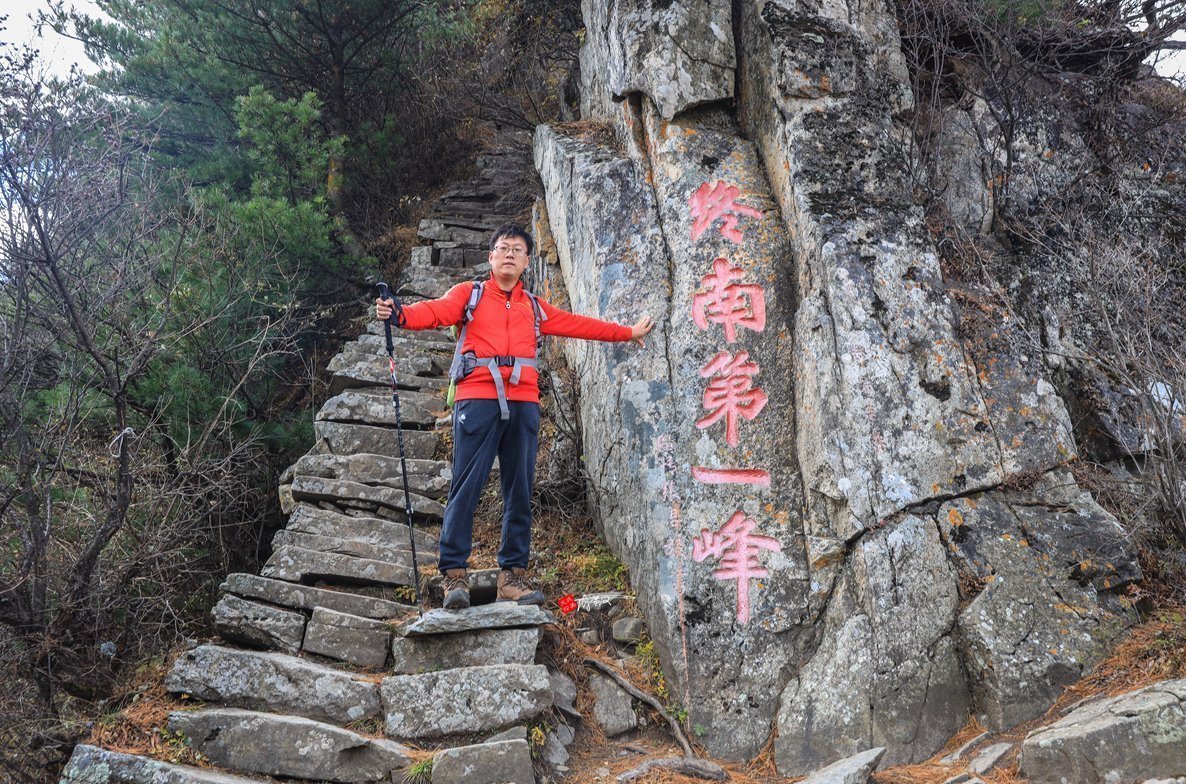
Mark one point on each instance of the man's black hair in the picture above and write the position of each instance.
(511, 231)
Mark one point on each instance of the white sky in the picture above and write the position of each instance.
(59, 53)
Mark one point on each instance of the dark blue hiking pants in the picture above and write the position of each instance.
(480, 435)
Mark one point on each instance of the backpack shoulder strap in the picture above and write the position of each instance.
(475, 296)
(539, 316)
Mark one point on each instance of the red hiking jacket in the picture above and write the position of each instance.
(504, 325)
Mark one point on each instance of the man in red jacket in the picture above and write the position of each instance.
(497, 405)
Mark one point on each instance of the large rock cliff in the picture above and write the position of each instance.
(841, 490)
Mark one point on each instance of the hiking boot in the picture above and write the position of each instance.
(456, 590)
(513, 587)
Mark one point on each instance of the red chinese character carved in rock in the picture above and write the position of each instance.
(731, 476)
(721, 300)
(710, 202)
(731, 392)
(737, 547)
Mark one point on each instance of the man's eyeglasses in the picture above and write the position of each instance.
(502, 250)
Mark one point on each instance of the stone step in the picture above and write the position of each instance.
(341, 492)
(93, 765)
(354, 356)
(258, 625)
(499, 762)
(425, 339)
(462, 257)
(274, 682)
(429, 478)
(461, 210)
(477, 220)
(354, 548)
(298, 565)
(306, 597)
(430, 653)
(435, 281)
(372, 530)
(476, 191)
(469, 699)
(288, 746)
(355, 371)
(434, 345)
(430, 229)
(349, 638)
(345, 438)
(500, 615)
(418, 410)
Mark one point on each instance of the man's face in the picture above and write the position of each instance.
(508, 259)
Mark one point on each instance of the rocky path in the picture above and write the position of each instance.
(325, 667)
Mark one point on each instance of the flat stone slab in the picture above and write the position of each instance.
(93, 765)
(348, 638)
(314, 489)
(430, 478)
(501, 762)
(430, 342)
(429, 653)
(375, 530)
(1131, 737)
(431, 229)
(305, 597)
(277, 682)
(296, 564)
(352, 372)
(499, 615)
(417, 409)
(345, 438)
(260, 625)
(353, 548)
(289, 746)
(354, 357)
(989, 757)
(470, 699)
(851, 770)
(420, 337)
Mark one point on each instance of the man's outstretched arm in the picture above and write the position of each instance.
(429, 314)
(571, 325)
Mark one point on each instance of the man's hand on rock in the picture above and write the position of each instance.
(641, 330)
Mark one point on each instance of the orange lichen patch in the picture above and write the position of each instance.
(954, 517)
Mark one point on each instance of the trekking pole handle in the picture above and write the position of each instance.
(385, 294)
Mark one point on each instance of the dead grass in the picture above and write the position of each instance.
(1153, 651)
(139, 726)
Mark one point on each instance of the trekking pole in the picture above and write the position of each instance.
(385, 294)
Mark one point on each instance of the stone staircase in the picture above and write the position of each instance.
(325, 666)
